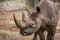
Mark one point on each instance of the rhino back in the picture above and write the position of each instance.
(49, 10)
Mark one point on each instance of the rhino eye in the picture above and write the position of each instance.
(35, 22)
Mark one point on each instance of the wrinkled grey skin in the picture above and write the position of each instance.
(43, 18)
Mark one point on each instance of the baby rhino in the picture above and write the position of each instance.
(43, 18)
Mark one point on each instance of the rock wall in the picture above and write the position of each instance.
(14, 5)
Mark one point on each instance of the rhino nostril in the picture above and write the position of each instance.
(25, 32)
(32, 24)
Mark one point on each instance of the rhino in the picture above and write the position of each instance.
(43, 17)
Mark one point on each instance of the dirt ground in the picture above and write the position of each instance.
(8, 35)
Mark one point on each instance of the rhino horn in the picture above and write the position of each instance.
(19, 25)
(24, 17)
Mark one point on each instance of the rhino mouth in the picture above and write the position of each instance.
(28, 31)
(24, 34)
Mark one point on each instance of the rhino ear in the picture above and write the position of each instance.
(38, 9)
(24, 17)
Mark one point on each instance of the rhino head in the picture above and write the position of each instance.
(31, 25)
